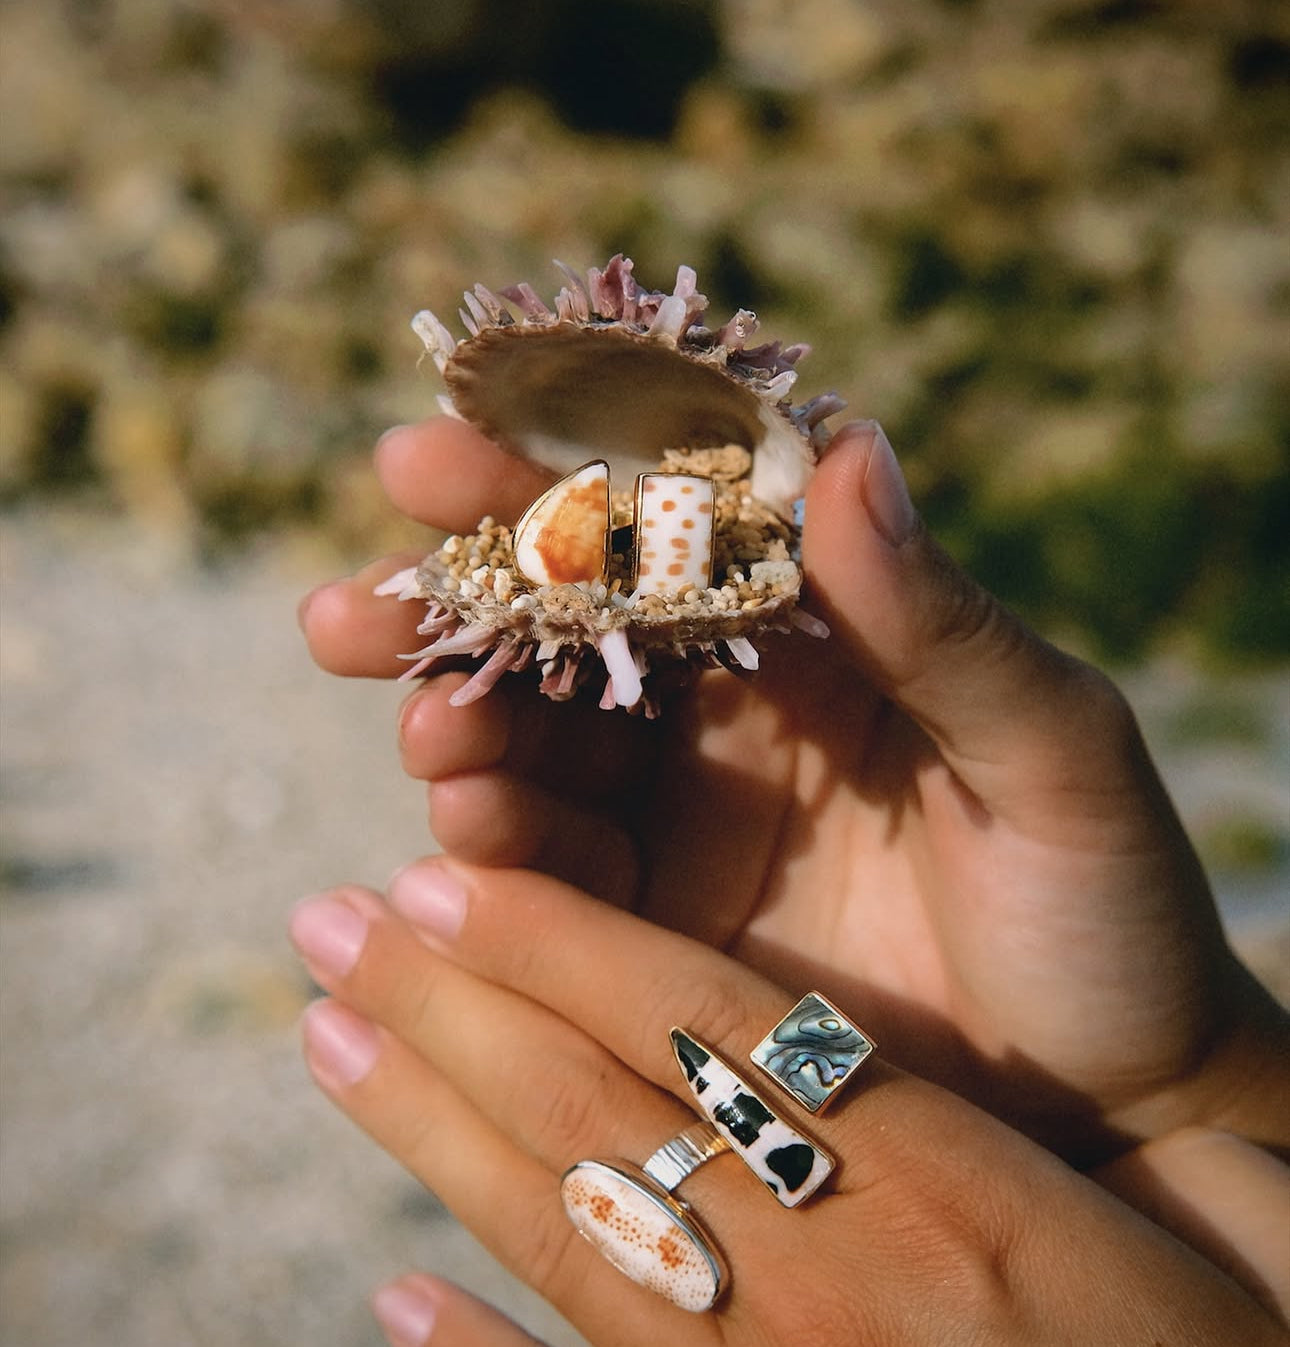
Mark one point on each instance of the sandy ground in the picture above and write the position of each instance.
(175, 775)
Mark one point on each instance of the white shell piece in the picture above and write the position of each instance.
(669, 323)
(562, 538)
(438, 341)
(624, 676)
(400, 583)
(779, 473)
(464, 642)
(790, 1164)
(774, 572)
(809, 623)
(674, 523)
(744, 651)
(647, 1237)
(781, 385)
(476, 310)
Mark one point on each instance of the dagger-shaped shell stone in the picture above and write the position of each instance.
(674, 521)
(788, 1163)
(647, 1235)
(562, 537)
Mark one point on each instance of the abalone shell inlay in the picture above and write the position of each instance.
(647, 1235)
(812, 1051)
(788, 1163)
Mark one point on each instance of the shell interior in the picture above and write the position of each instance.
(568, 394)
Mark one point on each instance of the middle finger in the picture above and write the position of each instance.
(498, 1048)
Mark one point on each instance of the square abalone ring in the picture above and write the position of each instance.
(812, 1052)
(629, 1215)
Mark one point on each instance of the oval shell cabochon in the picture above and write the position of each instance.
(647, 1235)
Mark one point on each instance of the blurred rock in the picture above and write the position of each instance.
(227, 989)
(801, 44)
(251, 427)
(138, 443)
(307, 253)
(1233, 287)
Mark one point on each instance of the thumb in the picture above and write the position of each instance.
(1007, 709)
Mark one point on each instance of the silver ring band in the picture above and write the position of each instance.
(674, 1162)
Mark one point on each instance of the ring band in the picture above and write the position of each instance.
(677, 1159)
(629, 1215)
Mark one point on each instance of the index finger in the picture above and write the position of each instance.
(444, 473)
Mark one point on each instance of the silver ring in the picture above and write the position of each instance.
(677, 1159)
(628, 1214)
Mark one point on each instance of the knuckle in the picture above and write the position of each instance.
(962, 612)
(1094, 743)
(547, 1258)
(965, 1255)
(415, 1136)
(413, 1008)
(413, 732)
(708, 1003)
(572, 1120)
(458, 803)
(1102, 701)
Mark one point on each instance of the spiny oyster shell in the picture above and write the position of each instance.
(632, 378)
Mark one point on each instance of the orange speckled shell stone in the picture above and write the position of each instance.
(561, 538)
(674, 523)
(644, 1232)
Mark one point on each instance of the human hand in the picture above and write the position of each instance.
(934, 814)
(489, 1064)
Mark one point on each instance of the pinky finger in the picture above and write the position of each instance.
(423, 1311)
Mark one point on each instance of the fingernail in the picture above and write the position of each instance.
(850, 430)
(303, 607)
(405, 1312)
(328, 934)
(886, 496)
(340, 1047)
(394, 433)
(430, 896)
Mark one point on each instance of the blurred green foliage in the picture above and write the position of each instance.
(1042, 240)
(1245, 846)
